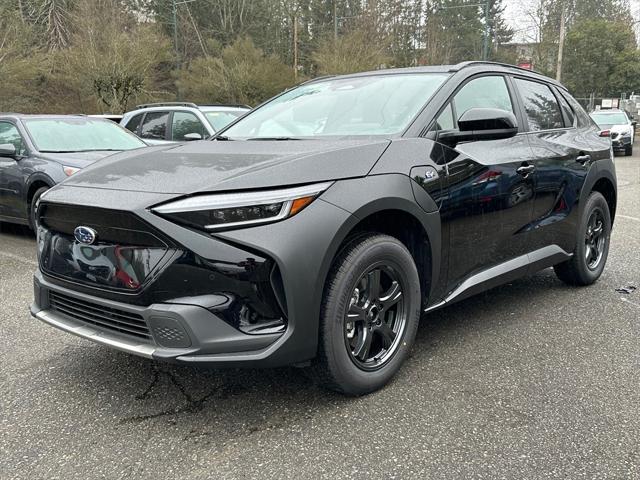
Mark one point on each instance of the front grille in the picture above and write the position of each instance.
(105, 317)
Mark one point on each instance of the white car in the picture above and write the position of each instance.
(617, 125)
(173, 122)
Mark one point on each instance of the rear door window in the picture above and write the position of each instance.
(540, 105)
(154, 126)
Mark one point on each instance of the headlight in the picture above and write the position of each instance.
(229, 210)
(68, 171)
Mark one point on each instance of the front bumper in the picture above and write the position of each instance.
(202, 335)
(620, 143)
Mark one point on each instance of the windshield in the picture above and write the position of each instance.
(79, 135)
(220, 119)
(371, 105)
(610, 118)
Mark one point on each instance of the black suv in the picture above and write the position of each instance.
(319, 227)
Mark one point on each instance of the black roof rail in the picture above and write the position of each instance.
(469, 63)
(167, 104)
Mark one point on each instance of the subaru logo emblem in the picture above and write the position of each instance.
(85, 235)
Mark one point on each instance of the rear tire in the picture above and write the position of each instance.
(592, 247)
(32, 206)
(369, 315)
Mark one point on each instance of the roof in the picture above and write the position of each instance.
(490, 66)
(190, 105)
(44, 116)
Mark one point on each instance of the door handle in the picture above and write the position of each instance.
(525, 170)
(583, 159)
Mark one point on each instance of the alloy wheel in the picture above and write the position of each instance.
(376, 318)
(595, 239)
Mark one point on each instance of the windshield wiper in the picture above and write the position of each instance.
(223, 138)
(83, 151)
(272, 139)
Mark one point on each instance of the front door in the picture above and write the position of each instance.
(489, 199)
(11, 181)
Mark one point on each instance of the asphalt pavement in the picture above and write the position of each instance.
(531, 380)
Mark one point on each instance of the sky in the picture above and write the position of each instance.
(517, 13)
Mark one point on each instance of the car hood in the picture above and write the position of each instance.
(77, 159)
(207, 166)
(620, 128)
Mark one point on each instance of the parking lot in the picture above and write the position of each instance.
(530, 380)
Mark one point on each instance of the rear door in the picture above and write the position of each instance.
(489, 196)
(562, 157)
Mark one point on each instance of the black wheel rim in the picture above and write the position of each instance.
(595, 239)
(375, 321)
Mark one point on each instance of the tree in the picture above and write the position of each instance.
(353, 52)
(598, 53)
(241, 74)
(113, 58)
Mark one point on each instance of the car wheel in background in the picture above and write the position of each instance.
(33, 202)
(369, 315)
(628, 150)
(590, 256)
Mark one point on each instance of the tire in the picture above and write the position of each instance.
(586, 264)
(350, 289)
(32, 206)
(628, 150)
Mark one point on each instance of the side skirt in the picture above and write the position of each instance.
(503, 273)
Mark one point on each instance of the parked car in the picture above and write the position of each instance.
(618, 126)
(319, 227)
(161, 123)
(39, 151)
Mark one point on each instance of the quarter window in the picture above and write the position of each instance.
(569, 116)
(540, 105)
(155, 126)
(185, 123)
(134, 123)
(9, 134)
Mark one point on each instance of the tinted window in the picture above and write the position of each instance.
(583, 119)
(79, 135)
(184, 123)
(540, 104)
(9, 134)
(367, 105)
(569, 116)
(155, 126)
(483, 92)
(133, 124)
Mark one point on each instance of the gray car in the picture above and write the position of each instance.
(318, 228)
(39, 151)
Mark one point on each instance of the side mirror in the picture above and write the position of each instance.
(7, 150)
(477, 124)
(190, 137)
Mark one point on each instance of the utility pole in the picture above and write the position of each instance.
(335, 20)
(485, 37)
(561, 43)
(295, 46)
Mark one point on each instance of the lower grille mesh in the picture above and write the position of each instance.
(105, 317)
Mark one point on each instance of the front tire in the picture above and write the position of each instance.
(628, 150)
(592, 248)
(369, 316)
